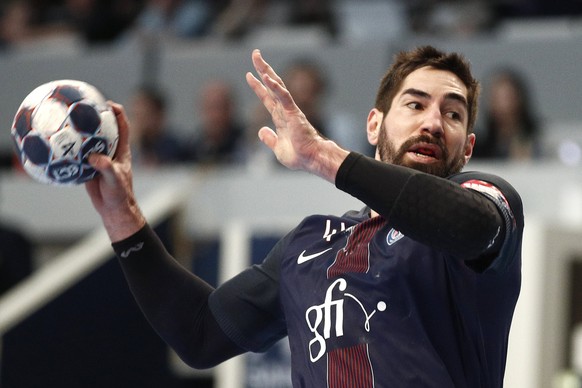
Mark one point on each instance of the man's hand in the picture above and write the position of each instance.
(111, 192)
(295, 143)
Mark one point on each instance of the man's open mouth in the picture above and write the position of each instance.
(427, 150)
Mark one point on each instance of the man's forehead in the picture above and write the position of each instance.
(431, 81)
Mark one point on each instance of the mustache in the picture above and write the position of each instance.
(424, 138)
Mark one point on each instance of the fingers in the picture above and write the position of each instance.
(122, 126)
(261, 91)
(279, 90)
(263, 68)
(103, 163)
(270, 89)
(120, 115)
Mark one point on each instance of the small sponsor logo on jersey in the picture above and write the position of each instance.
(304, 258)
(393, 236)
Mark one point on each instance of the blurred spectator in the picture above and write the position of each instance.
(537, 8)
(24, 21)
(240, 17)
(176, 18)
(306, 82)
(218, 140)
(153, 142)
(310, 13)
(306, 79)
(16, 257)
(458, 18)
(93, 21)
(510, 127)
(17, 23)
(99, 21)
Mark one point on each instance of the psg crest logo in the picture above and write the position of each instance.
(393, 236)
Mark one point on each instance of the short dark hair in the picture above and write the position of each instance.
(405, 62)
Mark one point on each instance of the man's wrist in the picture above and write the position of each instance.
(123, 224)
(327, 161)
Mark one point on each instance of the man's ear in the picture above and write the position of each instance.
(374, 125)
(469, 146)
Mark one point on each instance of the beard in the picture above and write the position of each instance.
(443, 168)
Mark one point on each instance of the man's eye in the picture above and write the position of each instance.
(414, 105)
(454, 115)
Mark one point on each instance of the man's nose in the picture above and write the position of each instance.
(433, 122)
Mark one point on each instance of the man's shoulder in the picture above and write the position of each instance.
(493, 186)
(472, 179)
(477, 175)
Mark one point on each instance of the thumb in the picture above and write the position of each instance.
(104, 165)
(268, 137)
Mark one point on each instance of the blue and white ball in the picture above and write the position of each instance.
(57, 126)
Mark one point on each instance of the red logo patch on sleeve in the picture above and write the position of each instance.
(489, 190)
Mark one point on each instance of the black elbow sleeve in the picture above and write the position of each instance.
(435, 211)
(447, 216)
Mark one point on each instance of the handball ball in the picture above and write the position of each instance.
(57, 126)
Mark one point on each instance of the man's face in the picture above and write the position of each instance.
(426, 126)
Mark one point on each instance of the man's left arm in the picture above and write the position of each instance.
(432, 210)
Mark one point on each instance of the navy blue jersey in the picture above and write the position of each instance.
(365, 306)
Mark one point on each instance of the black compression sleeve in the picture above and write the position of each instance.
(424, 207)
(174, 301)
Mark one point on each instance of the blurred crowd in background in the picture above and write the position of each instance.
(107, 21)
(224, 135)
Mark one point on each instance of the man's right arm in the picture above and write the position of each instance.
(174, 301)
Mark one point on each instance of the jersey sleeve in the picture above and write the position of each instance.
(509, 203)
(247, 306)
